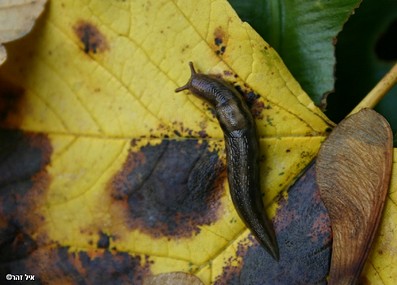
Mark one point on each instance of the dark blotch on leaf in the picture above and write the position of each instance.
(251, 98)
(11, 97)
(104, 240)
(14, 244)
(109, 268)
(22, 155)
(93, 40)
(23, 179)
(61, 266)
(170, 189)
(304, 237)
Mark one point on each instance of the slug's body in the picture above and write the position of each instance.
(242, 153)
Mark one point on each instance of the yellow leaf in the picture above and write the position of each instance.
(98, 78)
(380, 267)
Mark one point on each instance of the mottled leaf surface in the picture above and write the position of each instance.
(110, 175)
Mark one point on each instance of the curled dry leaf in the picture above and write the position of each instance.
(353, 173)
(173, 278)
(16, 20)
(3, 54)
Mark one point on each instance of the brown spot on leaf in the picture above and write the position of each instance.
(203, 134)
(252, 100)
(90, 36)
(170, 189)
(11, 97)
(219, 41)
(180, 130)
(23, 181)
(257, 109)
(228, 73)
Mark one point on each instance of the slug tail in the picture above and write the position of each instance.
(254, 216)
(269, 242)
(244, 183)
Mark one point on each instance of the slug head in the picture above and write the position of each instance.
(203, 86)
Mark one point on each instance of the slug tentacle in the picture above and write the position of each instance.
(242, 153)
(189, 83)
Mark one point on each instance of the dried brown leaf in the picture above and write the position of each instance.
(16, 20)
(3, 54)
(353, 173)
(173, 278)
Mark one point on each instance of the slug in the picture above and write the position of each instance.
(242, 153)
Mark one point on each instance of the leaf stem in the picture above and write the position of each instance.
(379, 91)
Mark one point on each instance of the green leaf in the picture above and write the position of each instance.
(366, 50)
(303, 33)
